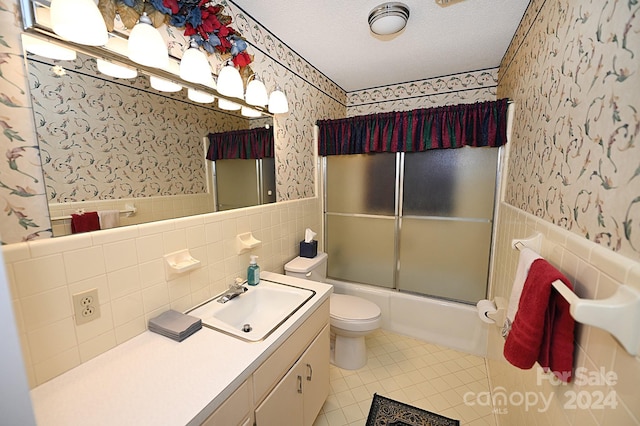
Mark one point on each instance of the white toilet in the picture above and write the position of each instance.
(351, 317)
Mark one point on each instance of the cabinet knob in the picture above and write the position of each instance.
(299, 384)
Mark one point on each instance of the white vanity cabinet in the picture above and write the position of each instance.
(291, 386)
(298, 397)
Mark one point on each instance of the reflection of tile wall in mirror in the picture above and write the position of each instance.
(106, 140)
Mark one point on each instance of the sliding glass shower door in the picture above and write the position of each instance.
(418, 222)
(446, 222)
(361, 219)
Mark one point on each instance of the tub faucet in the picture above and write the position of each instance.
(235, 289)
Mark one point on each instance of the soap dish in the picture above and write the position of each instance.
(181, 261)
(246, 242)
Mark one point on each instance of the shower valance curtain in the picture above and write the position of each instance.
(478, 124)
(246, 144)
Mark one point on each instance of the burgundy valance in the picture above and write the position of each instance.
(478, 124)
(252, 143)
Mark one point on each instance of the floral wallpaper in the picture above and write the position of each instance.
(22, 193)
(575, 157)
(469, 87)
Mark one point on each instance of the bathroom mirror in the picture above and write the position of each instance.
(114, 143)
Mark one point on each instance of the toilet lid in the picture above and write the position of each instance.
(305, 264)
(348, 307)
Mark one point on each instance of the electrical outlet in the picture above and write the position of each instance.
(86, 306)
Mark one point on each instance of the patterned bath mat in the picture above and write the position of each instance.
(387, 412)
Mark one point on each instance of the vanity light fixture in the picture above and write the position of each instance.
(229, 81)
(256, 93)
(200, 96)
(46, 49)
(194, 65)
(249, 112)
(164, 85)
(278, 103)
(146, 46)
(228, 105)
(79, 21)
(388, 18)
(116, 70)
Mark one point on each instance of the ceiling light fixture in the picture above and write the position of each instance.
(388, 18)
(146, 45)
(79, 21)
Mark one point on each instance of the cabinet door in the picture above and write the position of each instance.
(235, 410)
(283, 406)
(315, 365)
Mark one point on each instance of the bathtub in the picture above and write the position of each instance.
(450, 324)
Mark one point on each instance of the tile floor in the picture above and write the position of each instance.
(425, 375)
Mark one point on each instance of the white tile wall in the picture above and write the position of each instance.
(126, 265)
(596, 272)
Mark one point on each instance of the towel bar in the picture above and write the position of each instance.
(618, 314)
(129, 210)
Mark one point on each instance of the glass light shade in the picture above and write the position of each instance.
(230, 82)
(115, 70)
(194, 66)
(48, 50)
(200, 97)
(146, 45)
(388, 18)
(278, 103)
(228, 105)
(163, 85)
(249, 112)
(78, 21)
(256, 93)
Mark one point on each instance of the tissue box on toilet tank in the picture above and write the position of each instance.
(308, 249)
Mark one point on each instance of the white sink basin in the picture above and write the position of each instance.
(254, 314)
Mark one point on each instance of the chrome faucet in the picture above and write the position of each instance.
(235, 289)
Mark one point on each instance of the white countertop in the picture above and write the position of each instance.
(154, 380)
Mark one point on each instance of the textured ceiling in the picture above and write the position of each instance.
(334, 36)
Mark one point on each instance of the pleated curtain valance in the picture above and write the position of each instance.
(478, 124)
(246, 144)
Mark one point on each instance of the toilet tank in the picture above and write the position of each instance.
(314, 269)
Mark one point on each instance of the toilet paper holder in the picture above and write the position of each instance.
(495, 312)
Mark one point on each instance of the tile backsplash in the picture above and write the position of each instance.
(127, 267)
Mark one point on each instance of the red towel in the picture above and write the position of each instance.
(543, 327)
(88, 221)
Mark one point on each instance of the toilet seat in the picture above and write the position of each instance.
(353, 313)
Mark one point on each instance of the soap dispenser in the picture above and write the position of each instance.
(253, 271)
